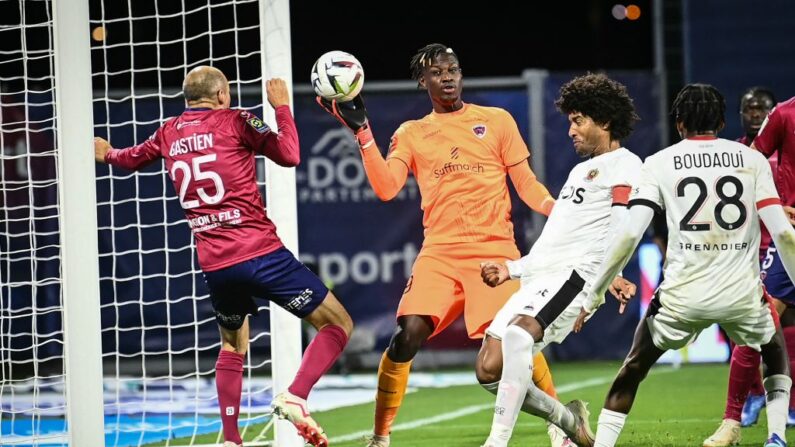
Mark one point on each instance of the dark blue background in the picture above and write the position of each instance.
(343, 229)
(735, 45)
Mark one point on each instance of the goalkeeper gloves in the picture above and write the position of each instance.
(353, 115)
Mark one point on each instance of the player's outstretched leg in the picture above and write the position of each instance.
(542, 378)
(516, 390)
(621, 396)
(393, 374)
(229, 379)
(777, 384)
(334, 326)
(488, 369)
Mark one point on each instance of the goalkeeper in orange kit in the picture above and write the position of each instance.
(460, 154)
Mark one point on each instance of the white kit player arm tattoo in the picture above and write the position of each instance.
(618, 254)
(783, 235)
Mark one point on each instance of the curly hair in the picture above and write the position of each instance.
(602, 99)
(700, 108)
(425, 57)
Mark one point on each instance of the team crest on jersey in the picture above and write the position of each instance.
(592, 174)
(479, 130)
(257, 124)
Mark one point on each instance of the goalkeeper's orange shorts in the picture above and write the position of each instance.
(445, 281)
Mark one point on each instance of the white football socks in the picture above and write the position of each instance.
(517, 366)
(516, 384)
(610, 425)
(535, 404)
(548, 408)
(777, 389)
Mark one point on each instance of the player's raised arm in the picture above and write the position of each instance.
(132, 158)
(282, 147)
(619, 253)
(386, 177)
(530, 190)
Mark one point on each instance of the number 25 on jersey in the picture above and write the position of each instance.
(194, 172)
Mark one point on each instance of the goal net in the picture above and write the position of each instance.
(32, 374)
(159, 336)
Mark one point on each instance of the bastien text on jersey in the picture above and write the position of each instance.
(192, 143)
(709, 160)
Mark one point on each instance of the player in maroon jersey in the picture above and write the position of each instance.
(777, 138)
(209, 154)
(755, 104)
(745, 389)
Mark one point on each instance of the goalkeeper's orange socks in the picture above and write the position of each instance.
(229, 383)
(542, 376)
(392, 381)
(321, 353)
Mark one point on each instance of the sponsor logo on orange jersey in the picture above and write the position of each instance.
(450, 167)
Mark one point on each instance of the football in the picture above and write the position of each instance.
(337, 75)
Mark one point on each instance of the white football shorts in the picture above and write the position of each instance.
(554, 300)
(752, 329)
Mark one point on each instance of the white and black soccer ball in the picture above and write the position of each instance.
(337, 75)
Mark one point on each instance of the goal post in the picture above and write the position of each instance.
(281, 201)
(78, 222)
(105, 318)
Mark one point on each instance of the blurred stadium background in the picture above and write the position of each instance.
(361, 247)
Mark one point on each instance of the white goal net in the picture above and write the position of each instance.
(32, 374)
(159, 336)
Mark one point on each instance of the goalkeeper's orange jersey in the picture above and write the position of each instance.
(460, 161)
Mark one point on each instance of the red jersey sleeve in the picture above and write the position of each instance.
(770, 134)
(137, 157)
(282, 146)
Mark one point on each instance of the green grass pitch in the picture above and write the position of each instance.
(675, 407)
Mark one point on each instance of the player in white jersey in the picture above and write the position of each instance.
(713, 192)
(566, 255)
